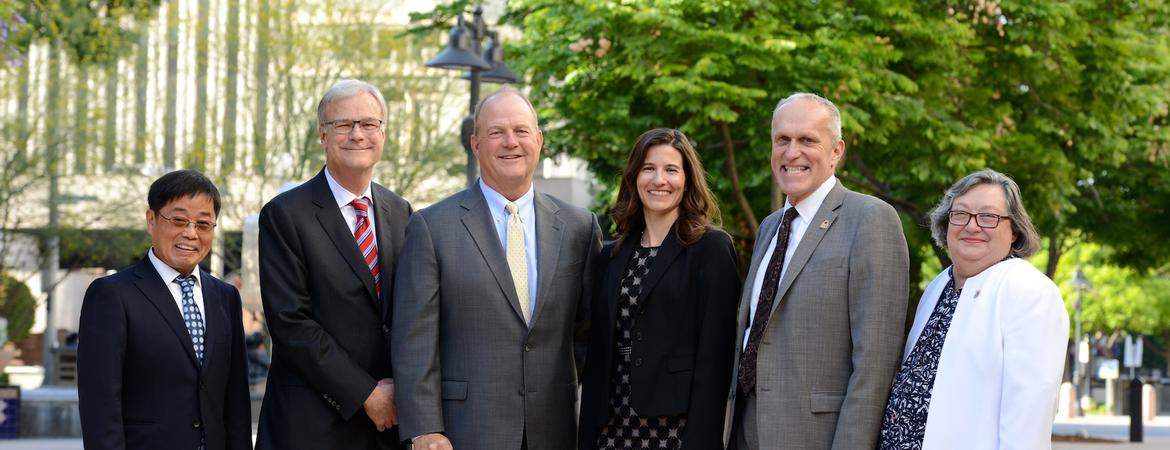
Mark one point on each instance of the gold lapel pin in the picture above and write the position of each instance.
(825, 224)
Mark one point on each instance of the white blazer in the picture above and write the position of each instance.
(1001, 363)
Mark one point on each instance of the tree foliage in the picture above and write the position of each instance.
(1053, 93)
(18, 305)
(91, 31)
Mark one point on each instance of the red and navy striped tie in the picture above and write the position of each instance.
(364, 235)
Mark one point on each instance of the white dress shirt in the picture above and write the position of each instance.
(169, 274)
(527, 213)
(805, 211)
(344, 199)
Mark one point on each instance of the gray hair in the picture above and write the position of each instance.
(1027, 239)
(346, 89)
(504, 90)
(834, 113)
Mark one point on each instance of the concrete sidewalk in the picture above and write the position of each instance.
(1155, 434)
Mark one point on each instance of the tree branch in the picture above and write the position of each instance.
(736, 189)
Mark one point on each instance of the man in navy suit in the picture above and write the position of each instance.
(161, 347)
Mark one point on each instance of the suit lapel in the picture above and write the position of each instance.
(549, 233)
(214, 318)
(667, 252)
(478, 221)
(386, 245)
(613, 279)
(767, 231)
(824, 218)
(151, 285)
(333, 224)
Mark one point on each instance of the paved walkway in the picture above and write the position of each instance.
(1156, 436)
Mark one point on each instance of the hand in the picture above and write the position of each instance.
(380, 405)
(432, 441)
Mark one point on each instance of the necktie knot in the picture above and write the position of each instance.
(789, 215)
(361, 206)
(512, 208)
(185, 281)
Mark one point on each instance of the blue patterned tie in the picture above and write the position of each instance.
(191, 315)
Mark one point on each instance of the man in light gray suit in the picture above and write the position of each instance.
(824, 303)
(491, 299)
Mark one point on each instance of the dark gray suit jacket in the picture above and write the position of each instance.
(465, 363)
(328, 325)
(834, 340)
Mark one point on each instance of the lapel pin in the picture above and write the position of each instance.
(825, 224)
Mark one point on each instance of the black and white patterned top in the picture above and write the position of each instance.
(904, 424)
(625, 430)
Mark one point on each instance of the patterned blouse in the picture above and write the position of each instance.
(904, 424)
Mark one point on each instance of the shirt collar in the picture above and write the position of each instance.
(342, 195)
(809, 206)
(167, 272)
(496, 201)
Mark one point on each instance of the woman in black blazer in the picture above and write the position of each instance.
(661, 344)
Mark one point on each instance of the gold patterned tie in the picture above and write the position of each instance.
(518, 260)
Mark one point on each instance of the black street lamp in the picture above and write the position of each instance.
(463, 53)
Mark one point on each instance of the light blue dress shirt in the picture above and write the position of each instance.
(527, 213)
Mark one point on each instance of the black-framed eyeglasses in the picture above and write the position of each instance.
(183, 222)
(345, 126)
(984, 220)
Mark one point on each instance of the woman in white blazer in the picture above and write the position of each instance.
(984, 359)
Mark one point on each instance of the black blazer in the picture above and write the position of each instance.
(138, 381)
(329, 329)
(683, 337)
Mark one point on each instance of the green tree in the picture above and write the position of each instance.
(18, 305)
(929, 92)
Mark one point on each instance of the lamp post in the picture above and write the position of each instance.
(463, 53)
(1080, 368)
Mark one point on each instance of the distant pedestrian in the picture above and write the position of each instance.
(984, 359)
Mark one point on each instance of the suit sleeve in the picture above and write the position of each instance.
(1035, 333)
(238, 402)
(100, 355)
(415, 333)
(878, 289)
(584, 303)
(718, 288)
(299, 339)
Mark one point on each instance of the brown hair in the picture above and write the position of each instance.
(698, 210)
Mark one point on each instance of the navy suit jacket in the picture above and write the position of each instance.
(139, 383)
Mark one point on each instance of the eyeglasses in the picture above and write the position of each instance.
(344, 126)
(984, 220)
(183, 222)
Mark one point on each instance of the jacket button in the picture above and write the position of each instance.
(385, 329)
(521, 392)
(637, 362)
(196, 424)
(527, 347)
(638, 336)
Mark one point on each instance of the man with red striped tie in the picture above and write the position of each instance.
(327, 250)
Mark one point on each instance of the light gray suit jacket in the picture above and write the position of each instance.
(465, 363)
(834, 339)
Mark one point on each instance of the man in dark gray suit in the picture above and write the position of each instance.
(490, 300)
(824, 304)
(327, 249)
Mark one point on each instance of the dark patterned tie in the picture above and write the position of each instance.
(747, 362)
(364, 235)
(191, 315)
